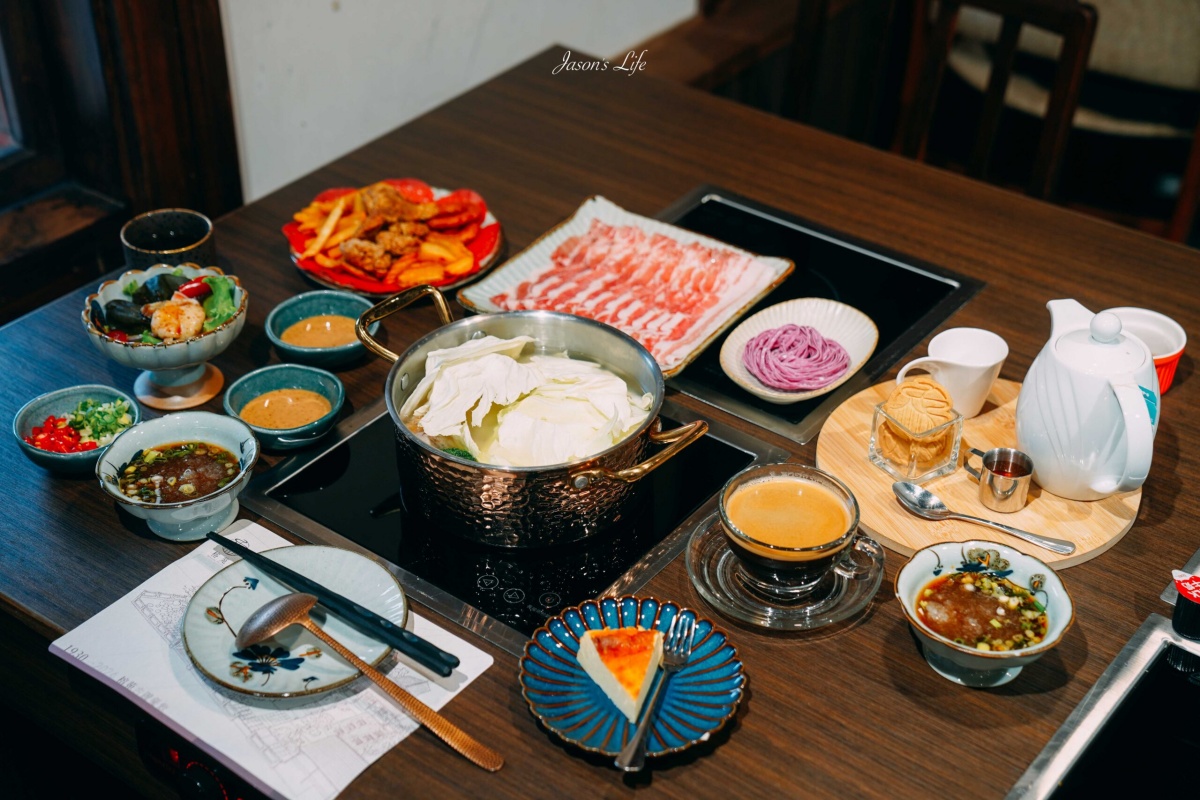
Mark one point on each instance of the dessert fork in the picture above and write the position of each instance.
(677, 649)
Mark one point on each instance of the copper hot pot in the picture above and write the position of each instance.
(524, 506)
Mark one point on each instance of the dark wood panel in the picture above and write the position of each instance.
(830, 715)
(168, 81)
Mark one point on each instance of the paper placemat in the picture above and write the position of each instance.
(309, 748)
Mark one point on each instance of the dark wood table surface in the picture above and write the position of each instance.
(858, 713)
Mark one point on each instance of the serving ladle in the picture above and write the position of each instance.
(292, 609)
(925, 503)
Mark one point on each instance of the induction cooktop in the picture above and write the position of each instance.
(905, 297)
(349, 493)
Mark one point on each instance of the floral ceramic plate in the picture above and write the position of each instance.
(697, 702)
(295, 662)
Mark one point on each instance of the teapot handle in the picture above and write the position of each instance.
(1139, 436)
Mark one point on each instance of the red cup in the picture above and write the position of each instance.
(1164, 336)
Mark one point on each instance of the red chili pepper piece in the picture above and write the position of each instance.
(196, 289)
(57, 436)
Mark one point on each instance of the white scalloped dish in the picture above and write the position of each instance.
(846, 325)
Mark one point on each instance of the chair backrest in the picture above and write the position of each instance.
(1074, 21)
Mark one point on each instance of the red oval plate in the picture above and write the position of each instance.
(485, 246)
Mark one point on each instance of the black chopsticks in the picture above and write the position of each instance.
(362, 619)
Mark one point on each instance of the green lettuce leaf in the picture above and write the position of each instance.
(219, 307)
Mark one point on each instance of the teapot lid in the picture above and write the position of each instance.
(1101, 349)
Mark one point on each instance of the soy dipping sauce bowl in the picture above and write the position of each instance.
(962, 663)
(188, 520)
(286, 376)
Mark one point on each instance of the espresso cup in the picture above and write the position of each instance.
(790, 526)
(967, 362)
(1004, 478)
(169, 236)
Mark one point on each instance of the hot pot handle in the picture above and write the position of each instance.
(677, 438)
(385, 308)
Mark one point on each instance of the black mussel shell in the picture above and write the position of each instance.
(123, 315)
(160, 287)
(97, 312)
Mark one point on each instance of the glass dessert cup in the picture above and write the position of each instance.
(915, 456)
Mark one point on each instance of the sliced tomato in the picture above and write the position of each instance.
(414, 191)
(333, 194)
(483, 244)
(464, 196)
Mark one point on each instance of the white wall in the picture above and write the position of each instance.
(313, 79)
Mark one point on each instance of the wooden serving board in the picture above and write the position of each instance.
(842, 451)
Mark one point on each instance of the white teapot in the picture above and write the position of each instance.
(1088, 410)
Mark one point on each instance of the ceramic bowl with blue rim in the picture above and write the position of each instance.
(965, 663)
(287, 376)
(59, 403)
(188, 520)
(316, 304)
(696, 702)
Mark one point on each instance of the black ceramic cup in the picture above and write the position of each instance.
(169, 236)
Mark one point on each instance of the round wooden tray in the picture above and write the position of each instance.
(842, 451)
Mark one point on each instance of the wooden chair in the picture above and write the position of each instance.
(1074, 21)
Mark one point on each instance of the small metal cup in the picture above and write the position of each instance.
(1004, 478)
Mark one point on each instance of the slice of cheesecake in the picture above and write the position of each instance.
(623, 662)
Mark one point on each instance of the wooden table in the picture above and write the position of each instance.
(836, 715)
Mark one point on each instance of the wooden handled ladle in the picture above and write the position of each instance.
(292, 609)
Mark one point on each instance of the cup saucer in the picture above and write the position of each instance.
(718, 577)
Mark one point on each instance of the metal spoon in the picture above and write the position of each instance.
(925, 503)
(292, 609)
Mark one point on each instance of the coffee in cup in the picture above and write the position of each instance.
(789, 525)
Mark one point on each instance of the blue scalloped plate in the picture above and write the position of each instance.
(697, 702)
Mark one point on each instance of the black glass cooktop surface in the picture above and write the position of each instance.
(1151, 741)
(907, 299)
(353, 490)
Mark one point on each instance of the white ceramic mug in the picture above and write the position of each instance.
(967, 362)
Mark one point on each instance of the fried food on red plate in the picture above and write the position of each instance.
(393, 234)
(396, 242)
(366, 255)
(385, 200)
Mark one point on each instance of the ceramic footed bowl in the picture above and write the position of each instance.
(188, 520)
(162, 356)
(310, 304)
(59, 403)
(964, 663)
(287, 376)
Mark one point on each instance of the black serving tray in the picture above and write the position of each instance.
(907, 299)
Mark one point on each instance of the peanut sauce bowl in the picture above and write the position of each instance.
(310, 304)
(286, 376)
(188, 520)
(963, 662)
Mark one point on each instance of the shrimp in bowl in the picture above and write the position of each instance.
(176, 319)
